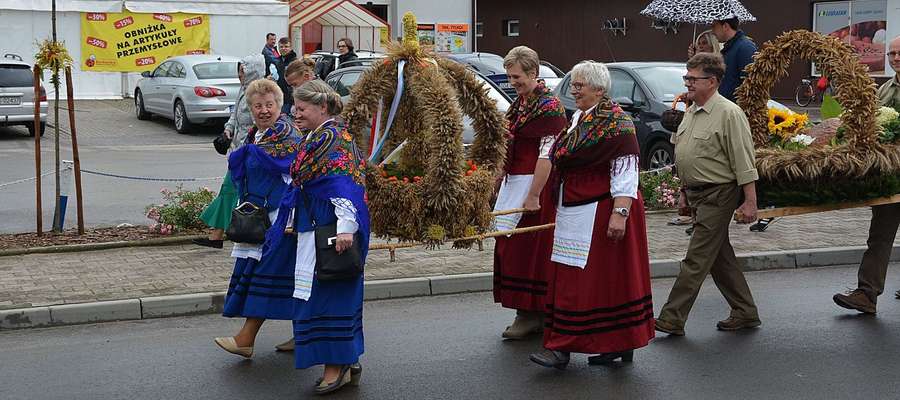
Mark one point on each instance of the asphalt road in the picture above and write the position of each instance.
(111, 140)
(448, 347)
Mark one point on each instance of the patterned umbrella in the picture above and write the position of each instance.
(697, 11)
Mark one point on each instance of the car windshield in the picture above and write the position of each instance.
(16, 76)
(546, 72)
(664, 81)
(488, 64)
(216, 70)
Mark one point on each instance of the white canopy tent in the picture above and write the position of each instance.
(338, 19)
(237, 28)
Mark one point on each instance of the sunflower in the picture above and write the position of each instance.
(785, 124)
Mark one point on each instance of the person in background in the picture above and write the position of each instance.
(716, 161)
(287, 57)
(273, 57)
(737, 51)
(885, 220)
(706, 42)
(218, 214)
(347, 53)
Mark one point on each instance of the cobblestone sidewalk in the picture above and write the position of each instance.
(48, 279)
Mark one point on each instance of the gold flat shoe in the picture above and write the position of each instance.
(228, 344)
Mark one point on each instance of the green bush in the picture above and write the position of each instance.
(180, 210)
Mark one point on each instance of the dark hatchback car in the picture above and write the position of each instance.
(644, 90)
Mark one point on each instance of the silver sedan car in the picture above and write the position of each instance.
(190, 90)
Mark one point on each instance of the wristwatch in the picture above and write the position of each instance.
(621, 211)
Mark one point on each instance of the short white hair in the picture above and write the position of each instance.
(593, 73)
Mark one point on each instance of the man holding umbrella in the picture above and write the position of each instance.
(725, 17)
(738, 53)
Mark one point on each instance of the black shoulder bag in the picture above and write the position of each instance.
(331, 265)
(249, 222)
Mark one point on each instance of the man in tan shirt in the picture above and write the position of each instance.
(715, 159)
(885, 220)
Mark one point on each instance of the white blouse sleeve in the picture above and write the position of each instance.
(546, 145)
(624, 177)
(346, 215)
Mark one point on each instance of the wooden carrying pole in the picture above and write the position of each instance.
(37, 150)
(70, 98)
(788, 211)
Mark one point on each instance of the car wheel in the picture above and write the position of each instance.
(182, 124)
(30, 127)
(661, 154)
(139, 109)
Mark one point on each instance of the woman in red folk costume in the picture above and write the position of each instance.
(599, 299)
(522, 262)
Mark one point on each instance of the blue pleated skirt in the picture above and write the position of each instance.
(328, 326)
(265, 288)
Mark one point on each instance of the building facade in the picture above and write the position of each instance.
(451, 20)
(565, 32)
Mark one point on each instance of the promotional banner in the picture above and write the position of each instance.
(132, 42)
(893, 10)
(425, 33)
(452, 38)
(862, 24)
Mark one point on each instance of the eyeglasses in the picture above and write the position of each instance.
(892, 54)
(693, 79)
(578, 85)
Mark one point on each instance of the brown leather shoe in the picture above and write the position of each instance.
(668, 327)
(855, 300)
(736, 324)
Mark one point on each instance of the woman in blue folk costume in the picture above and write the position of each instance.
(327, 189)
(262, 285)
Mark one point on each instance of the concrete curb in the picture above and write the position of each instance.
(69, 248)
(206, 303)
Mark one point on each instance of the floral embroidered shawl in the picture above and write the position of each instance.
(275, 150)
(601, 136)
(532, 118)
(542, 103)
(329, 150)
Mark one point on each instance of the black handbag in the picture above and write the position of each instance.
(249, 222)
(221, 143)
(331, 265)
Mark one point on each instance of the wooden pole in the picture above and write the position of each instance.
(70, 97)
(37, 150)
(788, 211)
(537, 228)
(57, 214)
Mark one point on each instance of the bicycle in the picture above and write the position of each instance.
(807, 91)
